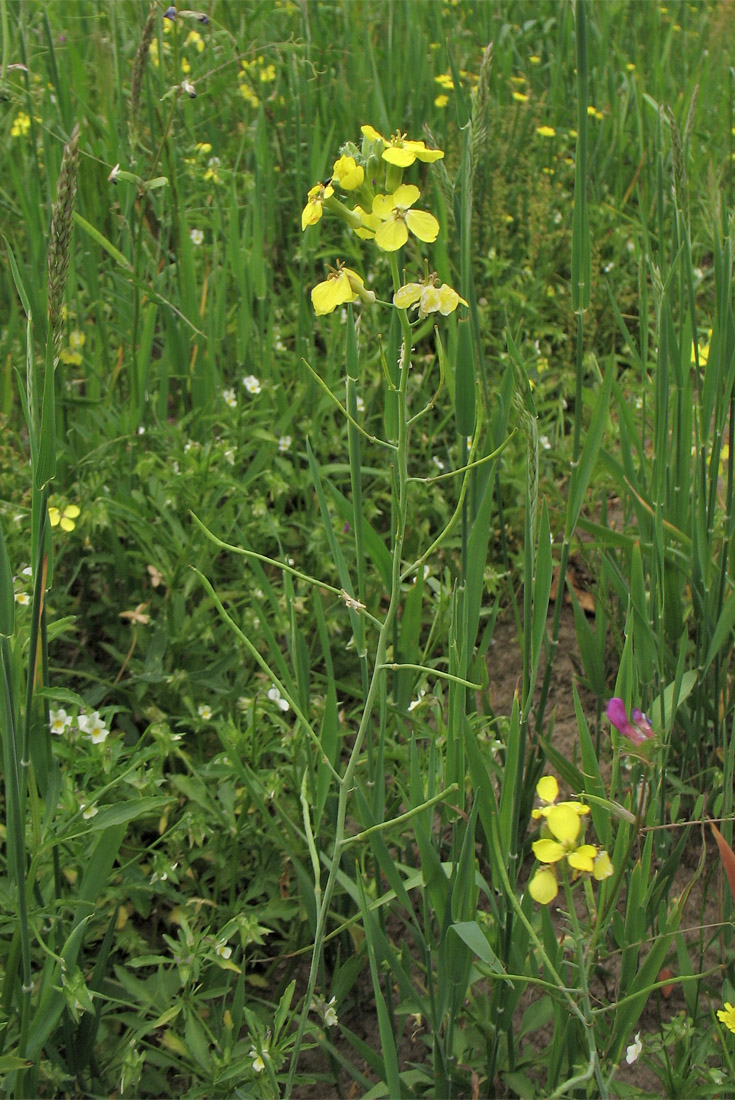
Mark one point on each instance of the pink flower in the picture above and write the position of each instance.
(637, 730)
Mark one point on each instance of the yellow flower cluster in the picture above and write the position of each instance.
(384, 211)
(563, 829)
(21, 125)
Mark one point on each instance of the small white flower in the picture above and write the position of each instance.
(27, 572)
(251, 383)
(204, 711)
(230, 456)
(635, 1050)
(59, 721)
(258, 1063)
(94, 727)
(196, 236)
(438, 463)
(22, 598)
(330, 1013)
(284, 443)
(230, 398)
(544, 441)
(89, 811)
(275, 696)
(223, 950)
(360, 404)
(415, 702)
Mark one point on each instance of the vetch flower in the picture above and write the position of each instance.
(251, 383)
(400, 151)
(348, 174)
(637, 730)
(428, 297)
(316, 197)
(635, 1050)
(398, 218)
(340, 286)
(65, 517)
(727, 1016)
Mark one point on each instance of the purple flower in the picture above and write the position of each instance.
(637, 730)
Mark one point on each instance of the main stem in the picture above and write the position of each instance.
(379, 669)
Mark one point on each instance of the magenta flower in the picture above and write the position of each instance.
(637, 730)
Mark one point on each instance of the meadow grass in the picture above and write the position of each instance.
(268, 832)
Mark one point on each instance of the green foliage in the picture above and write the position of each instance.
(256, 790)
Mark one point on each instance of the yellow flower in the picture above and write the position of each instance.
(400, 151)
(64, 518)
(249, 95)
(727, 1016)
(68, 355)
(441, 101)
(369, 224)
(21, 125)
(444, 80)
(520, 97)
(312, 212)
(534, 59)
(397, 218)
(340, 286)
(428, 297)
(194, 38)
(563, 822)
(348, 173)
(545, 131)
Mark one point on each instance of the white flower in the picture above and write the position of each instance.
(284, 443)
(544, 441)
(93, 726)
(360, 404)
(22, 598)
(275, 696)
(196, 236)
(230, 456)
(59, 721)
(330, 1013)
(89, 811)
(258, 1063)
(251, 383)
(27, 572)
(635, 1050)
(204, 711)
(438, 463)
(223, 950)
(230, 398)
(415, 702)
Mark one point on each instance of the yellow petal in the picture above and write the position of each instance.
(391, 235)
(326, 296)
(405, 195)
(372, 134)
(402, 158)
(542, 887)
(383, 206)
(449, 299)
(428, 156)
(423, 225)
(547, 788)
(583, 859)
(54, 515)
(311, 214)
(547, 851)
(564, 823)
(429, 301)
(408, 295)
(67, 524)
(72, 511)
(603, 867)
